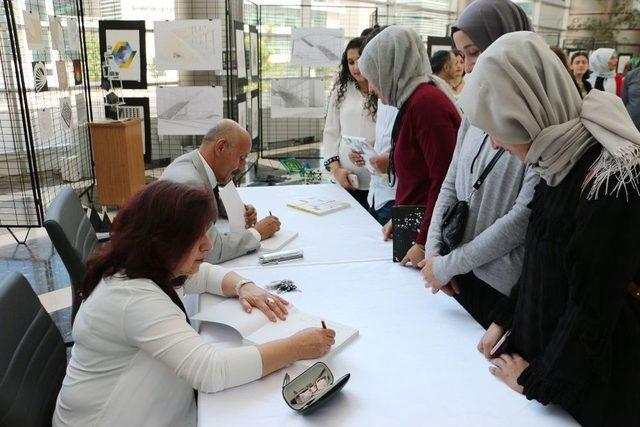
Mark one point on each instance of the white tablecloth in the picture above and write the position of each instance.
(343, 236)
(414, 362)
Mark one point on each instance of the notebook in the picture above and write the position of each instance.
(406, 226)
(257, 329)
(234, 207)
(278, 241)
(318, 206)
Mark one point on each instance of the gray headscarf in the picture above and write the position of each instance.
(520, 93)
(396, 62)
(486, 20)
(599, 62)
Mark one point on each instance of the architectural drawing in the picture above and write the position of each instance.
(39, 76)
(297, 98)
(63, 78)
(191, 110)
(316, 47)
(57, 33)
(65, 112)
(191, 44)
(33, 30)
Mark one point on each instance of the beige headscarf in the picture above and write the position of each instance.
(520, 93)
(396, 62)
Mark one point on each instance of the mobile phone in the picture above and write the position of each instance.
(501, 345)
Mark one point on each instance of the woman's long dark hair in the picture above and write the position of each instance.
(574, 55)
(344, 77)
(152, 233)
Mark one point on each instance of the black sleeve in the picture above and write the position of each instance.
(603, 257)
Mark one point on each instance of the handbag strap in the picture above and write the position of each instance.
(485, 172)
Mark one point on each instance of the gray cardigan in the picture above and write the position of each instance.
(188, 169)
(492, 246)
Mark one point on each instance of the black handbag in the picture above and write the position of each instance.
(454, 220)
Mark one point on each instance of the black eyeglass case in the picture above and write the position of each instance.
(291, 389)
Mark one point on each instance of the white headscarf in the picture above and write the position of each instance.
(396, 62)
(599, 62)
(520, 93)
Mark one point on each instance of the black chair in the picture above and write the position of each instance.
(73, 237)
(33, 359)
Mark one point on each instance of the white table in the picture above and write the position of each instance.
(414, 362)
(344, 236)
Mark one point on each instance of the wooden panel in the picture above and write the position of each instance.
(118, 159)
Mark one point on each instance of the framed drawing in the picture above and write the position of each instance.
(435, 44)
(124, 41)
(241, 61)
(136, 108)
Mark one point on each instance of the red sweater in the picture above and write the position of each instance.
(423, 149)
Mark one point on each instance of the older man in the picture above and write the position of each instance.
(223, 152)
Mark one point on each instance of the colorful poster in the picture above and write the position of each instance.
(190, 44)
(77, 72)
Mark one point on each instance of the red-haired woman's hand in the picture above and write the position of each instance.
(271, 305)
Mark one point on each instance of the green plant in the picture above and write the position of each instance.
(617, 15)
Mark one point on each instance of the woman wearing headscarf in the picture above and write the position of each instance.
(603, 63)
(486, 264)
(396, 64)
(574, 315)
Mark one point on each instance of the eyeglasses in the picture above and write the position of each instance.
(312, 390)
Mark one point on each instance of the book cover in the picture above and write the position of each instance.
(406, 226)
(318, 206)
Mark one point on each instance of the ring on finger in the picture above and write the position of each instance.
(270, 300)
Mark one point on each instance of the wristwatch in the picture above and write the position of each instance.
(240, 284)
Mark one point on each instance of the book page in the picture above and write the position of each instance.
(278, 241)
(234, 206)
(231, 313)
(360, 145)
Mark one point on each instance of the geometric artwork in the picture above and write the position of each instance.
(57, 34)
(314, 47)
(33, 29)
(297, 98)
(125, 42)
(40, 76)
(65, 111)
(73, 34)
(190, 44)
(253, 41)
(63, 78)
(77, 72)
(81, 109)
(189, 110)
(241, 61)
(255, 113)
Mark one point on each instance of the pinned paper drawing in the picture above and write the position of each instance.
(316, 47)
(39, 76)
(297, 98)
(191, 110)
(190, 44)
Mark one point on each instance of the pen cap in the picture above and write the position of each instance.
(276, 257)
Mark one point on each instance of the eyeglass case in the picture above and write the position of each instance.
(292, 388)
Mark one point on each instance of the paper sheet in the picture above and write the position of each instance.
(278, 241)
(234, 207)
(360, 145)
(33, 30)
(190, 44)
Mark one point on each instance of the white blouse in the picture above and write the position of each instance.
(350, 118)
(380, 190)
(136, 360)
(609, 83)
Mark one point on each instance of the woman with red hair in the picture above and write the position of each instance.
(136, 360)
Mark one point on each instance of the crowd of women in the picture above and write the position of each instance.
(540, 165)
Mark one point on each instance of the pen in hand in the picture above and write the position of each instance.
(324, 325)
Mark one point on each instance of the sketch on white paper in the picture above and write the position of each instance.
(33, 30)
(45, 123)
(253, 41)
(63, 78)
(255, 112)
(73, 34)
(315, 47)
(240, 55)
(297, 98)
(40, 76)
(191, 110)
(242, 114)
(57, 33)
(81, 109)
(190, 44)
(65, 112)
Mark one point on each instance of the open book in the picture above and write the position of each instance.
(318, 206)
(257, 329)
(362, 146)
(278, 241)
